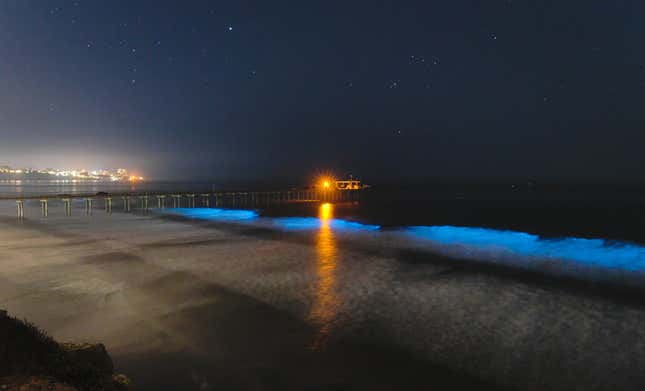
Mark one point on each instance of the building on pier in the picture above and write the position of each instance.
(352, 184)
(326, 183)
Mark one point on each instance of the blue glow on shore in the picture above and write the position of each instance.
(215, 214)
(594, 252)
(313, 223)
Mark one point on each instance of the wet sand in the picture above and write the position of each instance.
(188, 305)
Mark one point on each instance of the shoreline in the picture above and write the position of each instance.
(193, 302)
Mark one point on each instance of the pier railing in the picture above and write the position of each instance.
(126, 202)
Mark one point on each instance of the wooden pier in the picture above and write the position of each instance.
(128, 202)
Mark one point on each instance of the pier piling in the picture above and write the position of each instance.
(161, 201)
(205, 199)
(88, 206)
(126, 203)
(21, 208)
(44, 206)
(144, 202)
(67, 205)
(176, 200)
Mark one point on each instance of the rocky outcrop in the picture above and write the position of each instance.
(33, 383)
(89, 356)
(31, 360)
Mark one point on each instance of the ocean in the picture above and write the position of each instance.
(611, 212)
(429, 285)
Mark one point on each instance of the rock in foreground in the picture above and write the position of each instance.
(31, 360)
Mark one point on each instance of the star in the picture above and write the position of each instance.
(230, 28)
(416, 60)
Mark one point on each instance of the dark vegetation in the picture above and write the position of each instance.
(25, 350)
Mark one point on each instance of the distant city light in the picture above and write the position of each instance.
(117, 175)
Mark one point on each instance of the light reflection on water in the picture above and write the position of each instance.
(317, 223)
(326, 301)
(35, 187)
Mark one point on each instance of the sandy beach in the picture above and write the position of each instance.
(185, 304)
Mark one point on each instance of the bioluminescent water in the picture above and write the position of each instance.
(460, 242)
(314, 223)
(286, 223)
(215, 214)
(482, 243)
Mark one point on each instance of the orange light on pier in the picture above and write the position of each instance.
(325, 182)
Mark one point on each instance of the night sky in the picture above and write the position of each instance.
(383, 90)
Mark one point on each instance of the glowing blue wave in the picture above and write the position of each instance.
(593, 252)
(215, 214)
(468, 242)
(312, 223)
